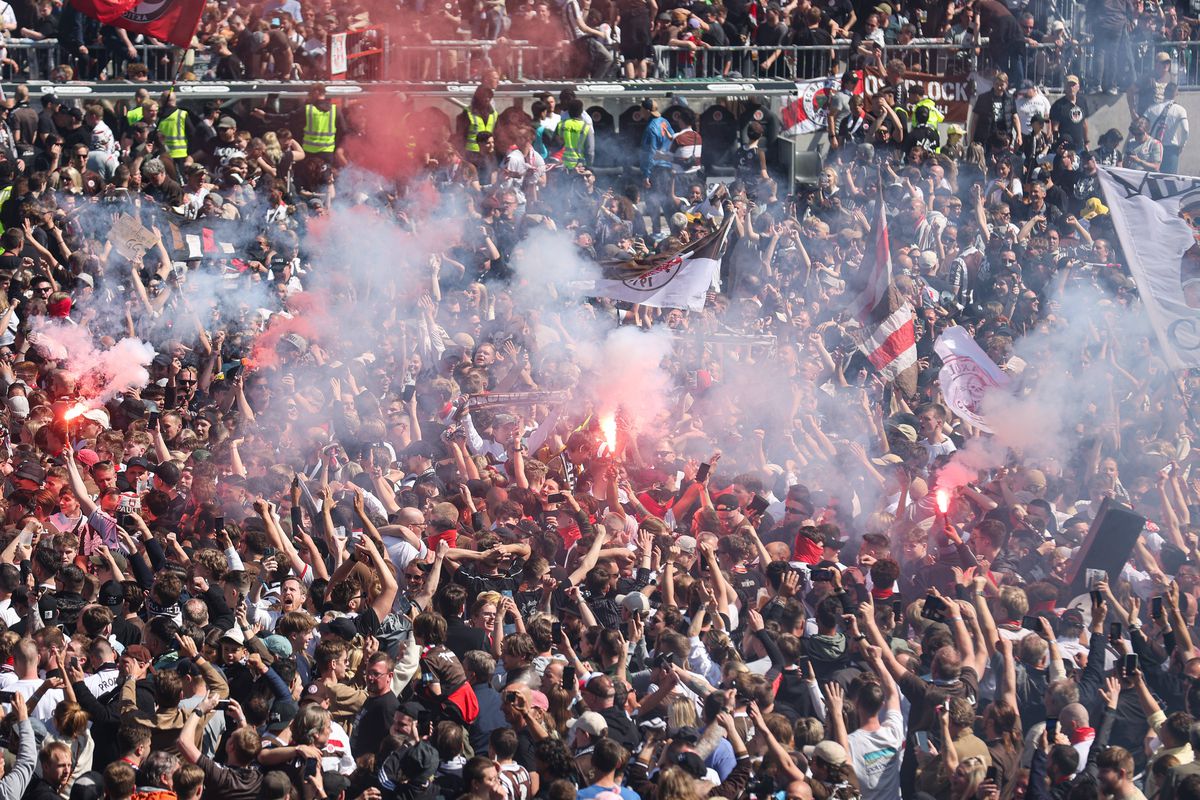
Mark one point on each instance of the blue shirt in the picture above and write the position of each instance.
(656, 144)
(593, 790)
(722, 759)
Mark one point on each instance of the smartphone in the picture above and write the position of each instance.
(1031, 623)
(1095, 576)
(897, 610)
(222, 705)
(991, 775)
(218, 524)
(933, 609)
(152, 420)
(822, 575)
(1097, 597)
(7, 697)
(702, 473)
(556, 632)
(1051, 728)
(569, 677)
(74, 662)
(310, 767)
(1114, 631)
(126, 521)
(759, 504)
(510, 697)
(557, 497)
(406, 394)
(425, 725)
(923, 741)
(1156, 608)
(1131, 664)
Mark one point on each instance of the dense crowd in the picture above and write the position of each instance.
(398, 510)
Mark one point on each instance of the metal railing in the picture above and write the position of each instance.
(44, 60)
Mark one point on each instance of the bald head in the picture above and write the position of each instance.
(799, 790)
(1073, 716)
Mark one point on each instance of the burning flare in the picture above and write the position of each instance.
(608, 428)
(942, 496)
(74, 411)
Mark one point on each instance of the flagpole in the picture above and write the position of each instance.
(178, 69)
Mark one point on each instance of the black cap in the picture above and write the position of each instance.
(138, 461)
(167, 472)
(411, 708)
(341, 627)
(282, 714)
(30, 471)
(691, 763)
(688, 735)
(111, 594)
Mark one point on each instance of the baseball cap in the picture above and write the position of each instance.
(590, 723)
(831, 753)
(412, 708)
(420, 762)
(167, 472)
(88, 457)
(111, 594)
(1161, 56)
(1073, 79)
(341, 627)
(227, 122)
(686, 544)
(282, 714)
(278, 646)
(1025, 85)
(692, 764)
(907, 431)
(30, 471)
(687, 734)
(234, 635)
(635, 603)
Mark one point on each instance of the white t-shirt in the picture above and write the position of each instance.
(44, 710)
(876, 758)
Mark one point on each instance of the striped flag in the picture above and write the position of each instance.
(889, 334)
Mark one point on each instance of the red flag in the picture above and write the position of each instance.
(107, 11)
(173, 21)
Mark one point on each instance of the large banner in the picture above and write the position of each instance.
(951, 93)
(966, 375)
(1157, 219)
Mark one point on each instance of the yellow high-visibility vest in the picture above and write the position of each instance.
(477, 125)
(320, 129)
(573, 131)
(134, 115)
(173, 130)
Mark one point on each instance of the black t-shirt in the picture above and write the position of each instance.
(373, 722)
(1069, 117)
(995, 112)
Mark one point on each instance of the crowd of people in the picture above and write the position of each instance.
(395, 510)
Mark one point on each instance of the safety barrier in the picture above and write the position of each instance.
(364, 56)
(43, 59)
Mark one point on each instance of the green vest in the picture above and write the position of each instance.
(935, 117)
(173, 130)
(320, 129)
(573, 131)
(134, 115)
(477, 125)
(5, 194)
